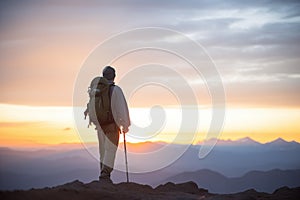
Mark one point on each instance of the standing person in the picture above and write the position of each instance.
(108, 121)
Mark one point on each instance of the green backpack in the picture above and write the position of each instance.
(99, 106)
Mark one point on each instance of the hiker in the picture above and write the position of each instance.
(109, 119)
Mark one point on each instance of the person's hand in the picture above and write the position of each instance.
(85, 113)
(125, 130)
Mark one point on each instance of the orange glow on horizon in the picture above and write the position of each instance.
(29, 126)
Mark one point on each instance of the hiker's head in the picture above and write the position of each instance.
(109, 73)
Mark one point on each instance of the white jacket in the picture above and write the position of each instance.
(119, 108)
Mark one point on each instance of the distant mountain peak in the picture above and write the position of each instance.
(247, 141)
(242, 141)
(282, 144)
(278, 141)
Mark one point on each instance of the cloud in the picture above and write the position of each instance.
(43, 43)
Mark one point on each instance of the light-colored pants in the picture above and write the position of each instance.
(108, 137)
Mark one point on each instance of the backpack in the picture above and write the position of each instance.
(99, 106)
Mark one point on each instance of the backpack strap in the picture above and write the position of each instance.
(111, 89)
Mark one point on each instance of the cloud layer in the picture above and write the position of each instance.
(255, 44)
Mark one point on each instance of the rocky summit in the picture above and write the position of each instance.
(77, 190)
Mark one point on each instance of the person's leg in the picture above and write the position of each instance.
(101, 140)
(111, 145)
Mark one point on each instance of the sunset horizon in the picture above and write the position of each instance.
(63, 130)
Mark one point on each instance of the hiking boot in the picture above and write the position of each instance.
(105, 180)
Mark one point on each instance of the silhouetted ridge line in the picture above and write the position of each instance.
(127, 191)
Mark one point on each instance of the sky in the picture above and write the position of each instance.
(253, 44)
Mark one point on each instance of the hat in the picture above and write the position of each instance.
(109, 73)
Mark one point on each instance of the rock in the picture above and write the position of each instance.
(126, 191)
(75, 185)
(134, 187)
(188, 187)
(287, 193)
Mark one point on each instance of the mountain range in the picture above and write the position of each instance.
(215, 182)
(229, 160)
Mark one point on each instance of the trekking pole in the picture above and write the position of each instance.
(126, 163)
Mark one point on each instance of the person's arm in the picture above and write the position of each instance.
(120, 109)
